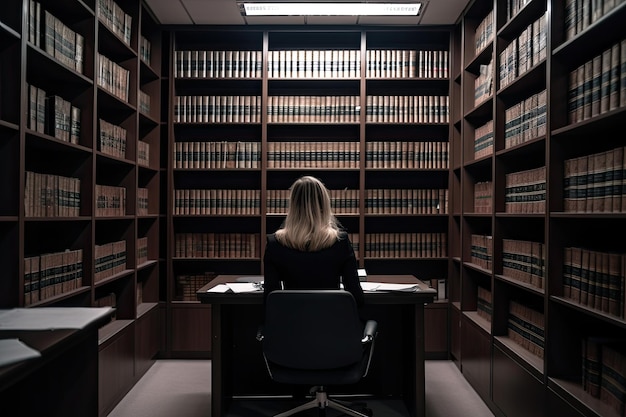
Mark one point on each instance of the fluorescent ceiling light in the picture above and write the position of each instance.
(332, 9)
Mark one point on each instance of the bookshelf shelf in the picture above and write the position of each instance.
(299, 71)
(51, 110)
(487, 247)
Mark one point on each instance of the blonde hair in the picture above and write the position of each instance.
(310, 224)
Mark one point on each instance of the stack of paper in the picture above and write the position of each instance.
(384, 286)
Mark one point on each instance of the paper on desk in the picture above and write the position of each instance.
(385, 286)
(50, 317)
(244, 286)
(221, 288)
(14, 350)
(236, 287)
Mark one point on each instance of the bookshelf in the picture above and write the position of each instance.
(361, 108)
(519, 119)
(80, 224)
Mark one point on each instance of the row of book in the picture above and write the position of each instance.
(526, 327)
(513, 7)
(217, 154)
(110, 200)
(58, 40)
(113, 78)
(313, 63)
(142, 250)
(406, 201)
(483, 197)
(604, 370)
(218, 64)
(142, 201)
(52, 274)
(216, 201)
(484, 303)
(595, 183)
(406, 245)
(313, 109)
(188, 284)
(407, 109)
(143, 153)
(217, 245)
(377, 201)
(580, 14)
(217, 109)
(313, 154)
(53, 115)
(145, 50)
(48, 195)
(483, 84)
(481, 250)
(524, 52)
(143, 104)
(403, 63)
(598, 85)
(485, 32)
(596, 279)
(526, 120)
(109, 259)
(524, 261)
(525, 191)
(114, 17)
(242, 201)
(483, 140)
(404, 154)
(111, 139)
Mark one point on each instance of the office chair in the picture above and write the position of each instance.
(316, 338)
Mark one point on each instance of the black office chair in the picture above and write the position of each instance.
(316, 338)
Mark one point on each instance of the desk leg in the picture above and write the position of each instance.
(216, 361)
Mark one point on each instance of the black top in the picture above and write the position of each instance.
(324, 269)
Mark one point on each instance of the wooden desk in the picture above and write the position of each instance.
(397, 371)
(63, 381)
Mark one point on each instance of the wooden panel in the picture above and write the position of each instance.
(515, 391)
(476, 357)
(436, 330)
(116, 362)
(148, 338)
(557, 406)
(191, 329)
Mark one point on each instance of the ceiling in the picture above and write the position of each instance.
(226, 12)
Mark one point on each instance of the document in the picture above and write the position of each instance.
(237, 287)
(46, 318)
(385, 286)
(14, 350)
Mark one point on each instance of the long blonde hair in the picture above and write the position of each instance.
(310, 224)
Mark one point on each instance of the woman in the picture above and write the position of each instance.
(310, 250)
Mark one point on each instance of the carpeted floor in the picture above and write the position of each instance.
(182, 388)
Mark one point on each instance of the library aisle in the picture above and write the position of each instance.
(183, 388)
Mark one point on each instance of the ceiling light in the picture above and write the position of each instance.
(331, 9)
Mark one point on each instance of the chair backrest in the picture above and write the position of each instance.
(312, 329)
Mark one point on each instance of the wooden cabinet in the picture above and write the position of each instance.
(363, 109)
(80, 128)
(520, 222)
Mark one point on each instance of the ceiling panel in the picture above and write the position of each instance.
(226, 12)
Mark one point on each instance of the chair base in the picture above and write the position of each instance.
(322, 402)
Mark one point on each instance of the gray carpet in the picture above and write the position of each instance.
(182, 388)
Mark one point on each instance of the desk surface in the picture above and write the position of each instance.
(424, 293)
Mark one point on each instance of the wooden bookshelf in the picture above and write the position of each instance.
(364, 109)
(69, 70)
(531, 111)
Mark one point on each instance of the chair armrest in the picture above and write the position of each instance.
(369, 332)
(259, 334)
